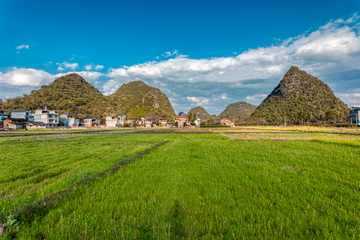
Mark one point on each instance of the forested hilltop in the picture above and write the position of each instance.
(200, 112)
(73, 94)
(301, 98)
(238, 110)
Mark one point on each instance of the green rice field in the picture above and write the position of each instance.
(181, 186)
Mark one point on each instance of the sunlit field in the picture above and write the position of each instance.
(182, 186)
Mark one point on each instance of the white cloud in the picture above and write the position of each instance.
(25, 77)
(256, 97)
(88, 67)
(22, 46)
(170, 54)
(72, 66)
(60, 68)
(198, 100)
(247, 76)
(99, 67)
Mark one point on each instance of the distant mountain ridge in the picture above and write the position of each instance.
(73, 94)
(200, 112)
(301, 98)
(238, 110)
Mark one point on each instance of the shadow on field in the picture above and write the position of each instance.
(176, 218)
(337, 143)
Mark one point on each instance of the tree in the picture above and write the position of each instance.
(176, 124)
(211, 121)
(184, 124)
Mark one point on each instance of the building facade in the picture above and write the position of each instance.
(197, 121)
(122, 119)
(91, 122)
(355, 114)
(28, 115)
(227, 122)
(163, 121)
(50, 118)
(112, 121)
(69, 121)
(15, 123)
(180, 121)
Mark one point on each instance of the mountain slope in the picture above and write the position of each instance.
(238, 110)
(200, 112)
(136, 99)
(70, 93)
(73, 94)
(301, 98)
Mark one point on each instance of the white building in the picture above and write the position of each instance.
(197, 121)
(355, 114)
(112, 121)
(69, 121)
(50, 118)
(28, 115)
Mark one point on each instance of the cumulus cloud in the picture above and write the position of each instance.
(72, 66)
(19, 81)
(22, 46)
(331, 52)
(333, 48)
(88, 67)
(99, 67)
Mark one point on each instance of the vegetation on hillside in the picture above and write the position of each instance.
(200, 112)
(71, 93)
(136, 99)
(238, 110)
(302, 99)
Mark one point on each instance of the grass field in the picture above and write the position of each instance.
(195, 186)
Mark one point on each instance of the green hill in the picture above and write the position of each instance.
(238, 110)
(73, 94)
(200, 112)
(70, 93)
(302, 98)
(136, 99)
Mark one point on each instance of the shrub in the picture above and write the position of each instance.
(185, 124)
(193, 124)
(176, 124)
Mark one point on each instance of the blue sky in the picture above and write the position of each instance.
(208, 53)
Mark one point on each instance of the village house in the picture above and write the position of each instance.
(28, 115)
(3, 116)
(355, 114)
(69, 121)
(122, 119)
(130, 122)
(181, 121)
(163, 121)
(91, 122)
(3, 111)
(36, 125)
(148, 122)
(15, 123)
(227, 122)
(112, 121)
(49, 117)
(197, 121)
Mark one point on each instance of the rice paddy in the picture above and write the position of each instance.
(182, 186)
